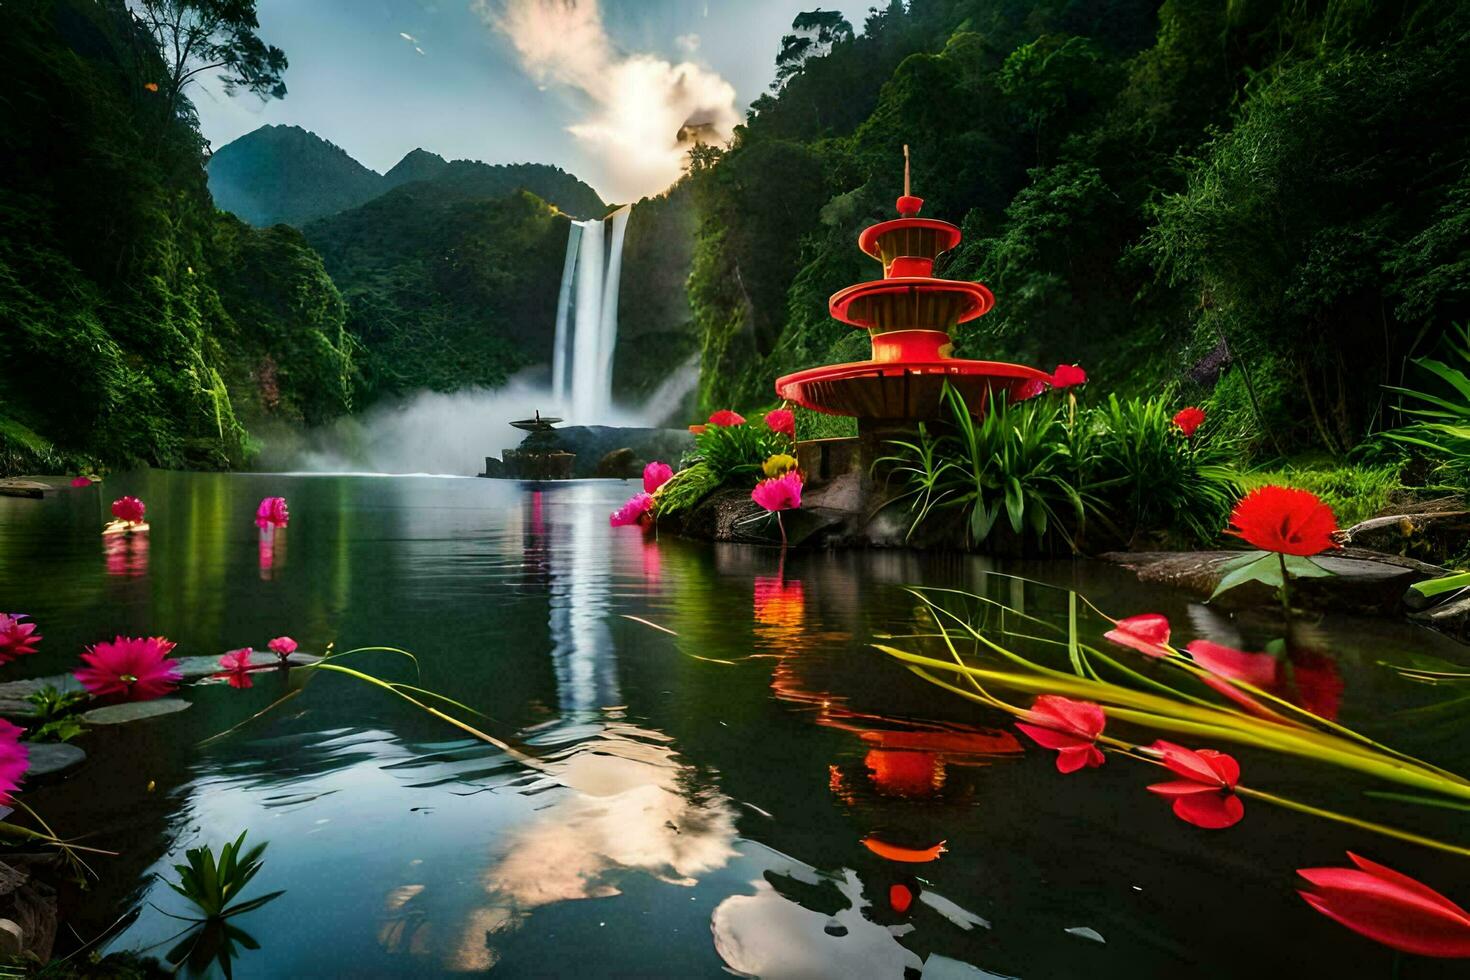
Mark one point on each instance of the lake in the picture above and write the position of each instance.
(704, 738)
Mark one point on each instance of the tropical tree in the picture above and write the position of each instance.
(198, 36)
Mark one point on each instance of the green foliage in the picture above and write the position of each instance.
(1016, 461)
(1153, 479)
(214, 885)
(736, 452)
(55, 714)
(1445, 431)
(1354, 491)
(685, 489)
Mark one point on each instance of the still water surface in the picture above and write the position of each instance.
(697, 802)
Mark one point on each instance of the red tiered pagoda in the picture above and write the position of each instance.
(909, 315)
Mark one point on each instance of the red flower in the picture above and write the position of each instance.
(1255, 669)
(135, 668)
(655, 475)
(16, 638)
(635, 511)
(272, 513)
(128, 509)
(1285, 520)
(900, 897)
(1067, 375)
(282, 646)
(1205, 796)
(781, 493)
(1070, 727)
(1189, 419)
(80, 481)
(15, 758)
(1389, 908)
(1146, 633)
(783, 421)
(726, 417)
(237, 659)
(1030, 388)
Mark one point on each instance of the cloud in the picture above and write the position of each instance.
(687, 43)
(408, 37)
(642, 112)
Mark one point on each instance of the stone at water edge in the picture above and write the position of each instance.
(47, 758)
(118, 714)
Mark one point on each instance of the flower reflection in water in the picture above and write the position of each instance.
(126, 555)
(272, 554)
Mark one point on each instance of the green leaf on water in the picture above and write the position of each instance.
(1300, 567)
(1439, 586)
(1265, 569)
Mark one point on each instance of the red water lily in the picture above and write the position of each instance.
(634, 511)
(1189, 419)
(1205, 796)
(1068, 375)
(1390, 908)
(282, 646)
(134, 668)
(727, 418)
(16, 638)
(272, 513)
(782, 420)
(1285, 520)
(237, 667)
(1146, 633)
(15, 759)
(80, 481)
(781, 493)
(128, 509)
(655, 475)
(1070, 727)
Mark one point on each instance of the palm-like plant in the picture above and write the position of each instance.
(212, 885)
(1445, 429)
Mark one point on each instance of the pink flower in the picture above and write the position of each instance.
(15, 758)
(655, 475)
(237, 659)
(635, 511)
(1255, 669)
(781, 493)
(1067, 375)
(1189, 419)
(282, 646)
(1146, 633)
(80, 481)
(726, 417)
(16, 638)
(272, 513)
(1389, 908)
(134, 668)
(1070, 727)
(783, 421)
(1030, 388)
(128, 509)
(1205, 796)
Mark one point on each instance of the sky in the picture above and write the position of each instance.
(597, 87)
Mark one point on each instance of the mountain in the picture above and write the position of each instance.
(287, 175)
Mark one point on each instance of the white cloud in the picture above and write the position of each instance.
(643, 112)
(687, 43)
(408, 37)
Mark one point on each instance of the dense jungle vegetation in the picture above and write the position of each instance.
(1262, 203)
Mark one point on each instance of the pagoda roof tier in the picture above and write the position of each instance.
(895, 234)
(908, 390)
(910, 302)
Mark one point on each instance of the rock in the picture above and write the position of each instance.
(620, 464)
(48, 758)
(34, 489)
(13, 694)
(1431, 535)
(494, 468)
(120, 714)
(590, 443)
(1452, 617)
(1362, 581)
(27, 909)
(12, 938)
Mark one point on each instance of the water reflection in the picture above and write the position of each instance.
(126, 554)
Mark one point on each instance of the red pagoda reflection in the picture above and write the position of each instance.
(909, 315)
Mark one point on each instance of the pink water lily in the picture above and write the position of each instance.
(1206, 795)
(237, 659)
(655, 475)
(272, 513)
(782, 420)
(1070, 727)
(17, 639)
(129, 510)
(1147, 633)
(132, 668)
(15, 759)
(781, 493)
(635, 511)
(80, 481)
(282, 646)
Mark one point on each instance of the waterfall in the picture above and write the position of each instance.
(587, 319)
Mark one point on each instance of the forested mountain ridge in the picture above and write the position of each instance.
(1187, 193)
(286, 174)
